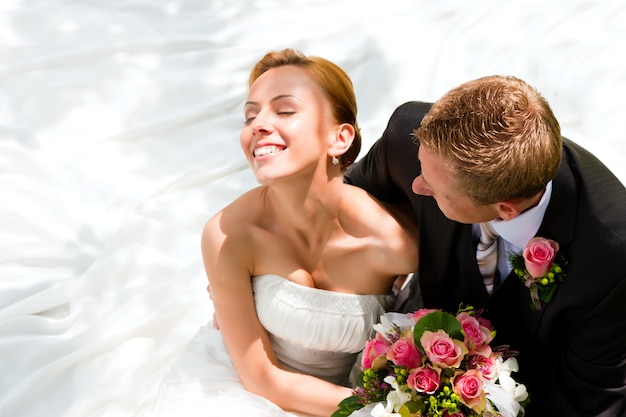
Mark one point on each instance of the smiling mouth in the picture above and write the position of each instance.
(266, 150)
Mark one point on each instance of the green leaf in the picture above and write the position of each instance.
(416, 407)
(347, 406)
(547, 293)
(516, 260)
(437, 320)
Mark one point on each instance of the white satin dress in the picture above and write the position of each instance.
(313, 331)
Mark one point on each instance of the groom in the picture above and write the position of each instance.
(489, 155)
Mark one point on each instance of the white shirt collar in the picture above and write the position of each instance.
(520, 229)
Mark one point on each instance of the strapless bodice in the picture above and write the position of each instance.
(316, 331)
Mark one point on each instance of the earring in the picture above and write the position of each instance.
(335, 161)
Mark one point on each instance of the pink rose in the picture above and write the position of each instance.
(425, 379)
(486, 366)
(539, 255)
(485, 323)
(442, 350)
(374, 351)
(417, 316)
(455, 414)
(403, 352)
(475, 334)
(469, 387)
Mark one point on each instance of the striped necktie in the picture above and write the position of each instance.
(487, 255)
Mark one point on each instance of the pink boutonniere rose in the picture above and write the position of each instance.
(541, 266)
(539, 255)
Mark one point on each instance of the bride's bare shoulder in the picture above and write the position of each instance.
(237, 217)
(392, 231)
(371, 212)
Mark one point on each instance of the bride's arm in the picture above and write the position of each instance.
(226, 254)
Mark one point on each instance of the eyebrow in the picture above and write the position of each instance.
(279, 97)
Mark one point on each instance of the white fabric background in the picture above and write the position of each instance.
(119, 138)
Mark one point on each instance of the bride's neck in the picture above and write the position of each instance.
(311, 209)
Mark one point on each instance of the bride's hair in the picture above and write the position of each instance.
(333, 80)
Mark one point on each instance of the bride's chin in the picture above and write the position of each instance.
(265, 178)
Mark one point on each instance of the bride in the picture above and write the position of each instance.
(299, 268)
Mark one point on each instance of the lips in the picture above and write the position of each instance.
(268, 149)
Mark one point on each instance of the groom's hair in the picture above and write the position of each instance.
(499, 135)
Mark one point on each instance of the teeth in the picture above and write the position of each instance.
(266, 150)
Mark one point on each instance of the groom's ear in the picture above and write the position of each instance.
(508, 209)
(341, 140)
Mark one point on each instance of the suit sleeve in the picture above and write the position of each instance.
(391, 164)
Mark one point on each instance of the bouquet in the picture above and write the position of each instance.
(432, 363)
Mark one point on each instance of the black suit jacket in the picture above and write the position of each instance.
(572, 351)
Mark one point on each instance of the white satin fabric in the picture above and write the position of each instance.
(313, 331)
(119, 127)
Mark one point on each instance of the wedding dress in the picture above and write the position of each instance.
(313, 331)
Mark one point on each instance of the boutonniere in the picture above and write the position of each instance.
(541, 266)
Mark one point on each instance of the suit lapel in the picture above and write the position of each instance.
(558, 222)
(511, 299)
(451, 275)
